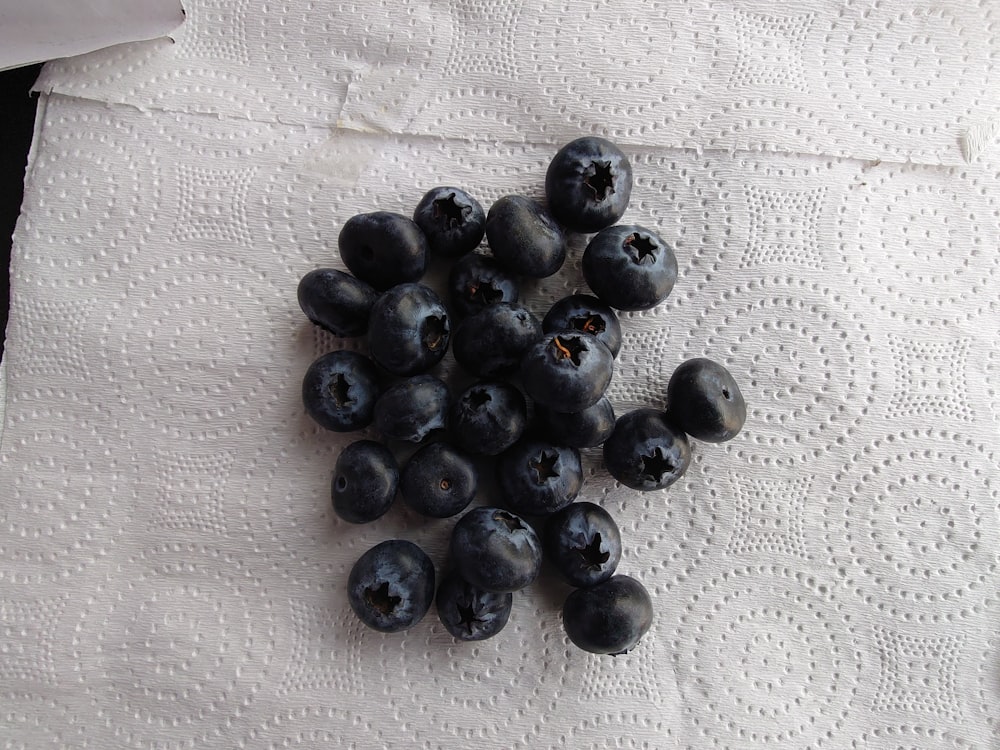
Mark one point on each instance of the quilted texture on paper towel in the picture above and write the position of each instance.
(173, 574)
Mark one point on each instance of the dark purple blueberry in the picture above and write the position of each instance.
(452, 220)
(492, 342)
(391, 586)
(646, 452)
(524, 238)
(339, 391)
(336, 301)
(409, 330)
(588, 184)
(536, 477)
(477, 281)
(488, 417)
(581, 312)
(495, 550)
(413, 409)
(567, 371)
(610, 617)
(582, 429)
(630, 267)
(704, 400)
(438, 481)
(470, 613)
(383, 249)
(364, 481)
(583, 543)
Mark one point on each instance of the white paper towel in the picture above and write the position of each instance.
(173, 574)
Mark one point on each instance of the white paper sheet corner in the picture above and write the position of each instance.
(49, 29)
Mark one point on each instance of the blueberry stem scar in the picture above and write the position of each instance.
(485, 292)
(544, 466)
(448, 211)
(600, 179)
(435, 330)
(340, 390)
(467, 617)
(380, 598)
(593, 555)
(589, 324)
(656, 465)
(513, 522)
(640, 248)
(569, 349)
(479, 399)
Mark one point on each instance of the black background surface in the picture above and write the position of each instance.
(17, 117)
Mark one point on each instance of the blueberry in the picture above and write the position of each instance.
(536, 477)
(704, 400)
(477, 281)
(470, 613)
(383, 249)
(524, 238)
(438, 481)
(610, 617)
(581, 312)
(488, 417)
(391, 586)
(411, 410)
(364, 481)
(492, 341)
(339, 391)
(582, 429)
(336, 301)
(452, 220)
(588, 184)
(495, 550)
(583, 543)
(567, 371)
(409, 330)
(646, 452)
(630, 267)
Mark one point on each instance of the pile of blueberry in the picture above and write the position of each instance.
(561, 366)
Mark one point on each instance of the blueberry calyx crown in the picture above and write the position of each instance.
(380, 598)
(340, 390)
(655, 465)
(569, 348)
(640, 248)
(600, 179)
(594, 556)
(485, 293)
(478, 398)
(544, 466)
(449, 212)
(592, 324)
(512, 522)
(467, 617)
(435, 332)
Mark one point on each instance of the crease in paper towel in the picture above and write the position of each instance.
(376, 99)
(979, 138)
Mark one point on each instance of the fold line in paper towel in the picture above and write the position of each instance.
(974, 142)
(346, 164)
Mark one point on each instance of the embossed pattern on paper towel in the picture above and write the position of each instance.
(901, 81)
(172, 570)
